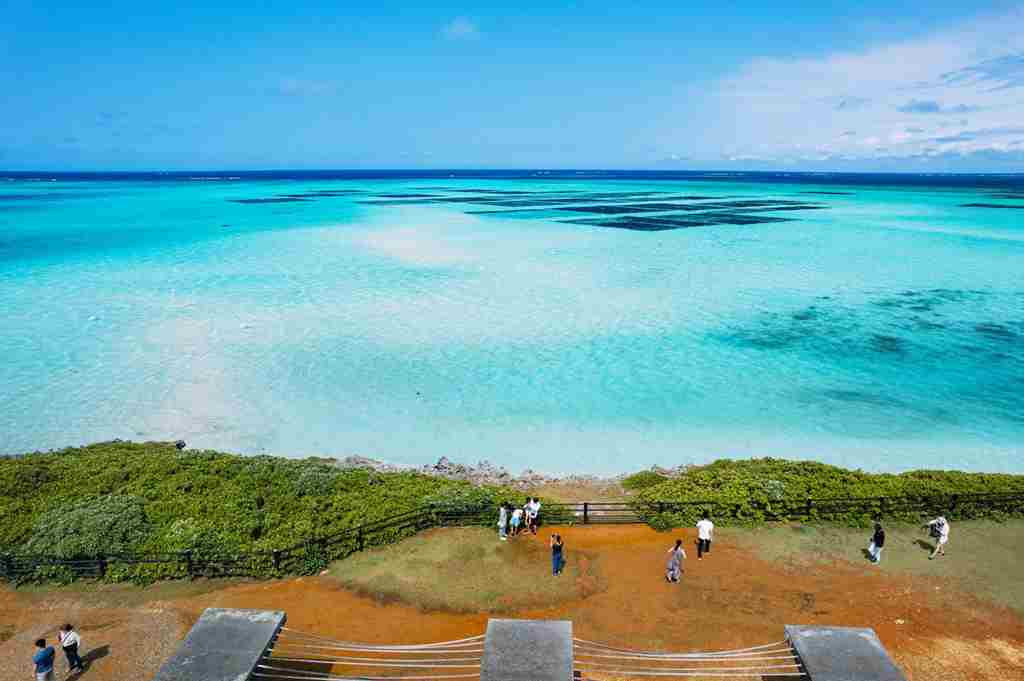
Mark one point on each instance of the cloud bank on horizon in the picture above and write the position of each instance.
(954, 95)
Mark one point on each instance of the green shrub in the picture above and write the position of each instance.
(643, 480)
(53, 574)
(752, 491)
(96, 527)
(149, 498)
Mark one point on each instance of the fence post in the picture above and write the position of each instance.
(101, 565)
(8, 566)
(188, 563)
(277, 559)
(586, 512)
(359, 538)
(661, 507)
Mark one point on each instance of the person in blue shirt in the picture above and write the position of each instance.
(43, 660)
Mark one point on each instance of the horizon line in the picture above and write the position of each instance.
(384, 169)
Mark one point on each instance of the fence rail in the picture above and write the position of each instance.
(314, 553)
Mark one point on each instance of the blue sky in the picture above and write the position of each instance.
(868, 86)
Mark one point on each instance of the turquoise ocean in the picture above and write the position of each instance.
(565, 322)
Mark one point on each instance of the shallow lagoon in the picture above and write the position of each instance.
(557, 323)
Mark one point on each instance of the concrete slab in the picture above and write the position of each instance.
(842, 654)
(224, 645)
(527, 650)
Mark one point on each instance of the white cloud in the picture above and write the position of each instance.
(299, 87)
(898, 97)
(460, 28)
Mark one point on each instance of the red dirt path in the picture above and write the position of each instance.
(730, 600)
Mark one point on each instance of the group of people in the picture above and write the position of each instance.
(677, 554)
(45, 656)
(512, 521)
(938, 530)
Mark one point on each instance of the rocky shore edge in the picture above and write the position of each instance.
(486, 473)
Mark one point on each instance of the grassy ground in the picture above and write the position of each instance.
(469, 571)
(984, 557)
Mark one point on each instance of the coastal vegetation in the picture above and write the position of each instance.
(150, 498)
(754, 489)
(643, 480)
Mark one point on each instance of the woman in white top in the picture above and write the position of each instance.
(534, 506)
(69, 641)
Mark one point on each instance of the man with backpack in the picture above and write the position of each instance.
(938, 530)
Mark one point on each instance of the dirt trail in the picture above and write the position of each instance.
(729, 600)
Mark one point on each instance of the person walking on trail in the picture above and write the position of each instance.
(517, 519)
(877, 542)
(557, 560)
(70, 641)
(705, 530)
(674, 570)
(938, 529)
(42, 660)
(503, 522)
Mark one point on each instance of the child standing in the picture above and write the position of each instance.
(503, 522)
(517, 518)
(674, 569)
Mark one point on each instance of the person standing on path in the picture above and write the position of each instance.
(503, 522)
(877, 542)
(557, 561)
(531, 515)
(674, 569)
(705, 530)
(938, 529)
(536, 515)
(42, 660)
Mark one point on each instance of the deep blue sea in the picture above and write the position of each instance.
(562, 321)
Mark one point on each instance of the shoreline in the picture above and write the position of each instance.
(484, 472)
